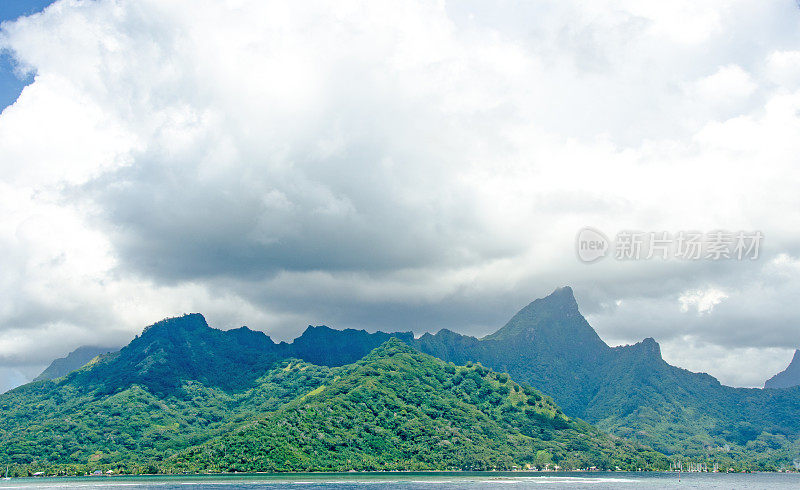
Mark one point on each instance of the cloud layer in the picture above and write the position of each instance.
(399, 166)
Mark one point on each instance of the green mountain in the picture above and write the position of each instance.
(182, 384)
(178, 384)
(58, 427)
(629, 391)
(176, 350)
(74, 360)
(398, 409)
(789, 377)
(326, 346)
(547, 344)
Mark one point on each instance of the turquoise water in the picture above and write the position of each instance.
(432, 481)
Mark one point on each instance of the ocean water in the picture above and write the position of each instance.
(428, 481)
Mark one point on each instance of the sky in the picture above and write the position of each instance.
(411, 166)
(11, 83)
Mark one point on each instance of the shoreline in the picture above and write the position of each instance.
(477, 473)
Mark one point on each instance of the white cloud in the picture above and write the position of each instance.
(783, 68)
(703, 301)
(728, 84)
(378, 165)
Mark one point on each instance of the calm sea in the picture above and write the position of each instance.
(432, 481)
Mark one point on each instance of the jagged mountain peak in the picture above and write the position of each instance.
(185, 322)
(789, 377)
(246, 335)
(563, 297)
(554, 319)
(646, 351)
(561, 300)
(315, 329)
(650, 346)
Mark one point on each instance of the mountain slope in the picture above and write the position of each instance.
(788, 377)
(547, 344)
(184, 348)
(62, 427)
(398, 409)
(74, 360)
(553, 321)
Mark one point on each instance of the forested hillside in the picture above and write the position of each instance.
(398, 409)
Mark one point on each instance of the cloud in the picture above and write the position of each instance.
(375, 165)
(702, 301)
(728, 85)
(783, 69)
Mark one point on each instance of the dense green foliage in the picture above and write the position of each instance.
(398, 409)
(62, 428)
(629, 391)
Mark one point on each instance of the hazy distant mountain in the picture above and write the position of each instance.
(789, 377)
(74, 360)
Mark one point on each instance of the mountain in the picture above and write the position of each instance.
(548, 344)
(178, 384)
(182, 383)
(179, 349)
(180, 391)
(553, 322)
(628, 390)
(186, 348)
(398, 409)
(326, 346)
(74, 360)
(60, 428)
(789, 377)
